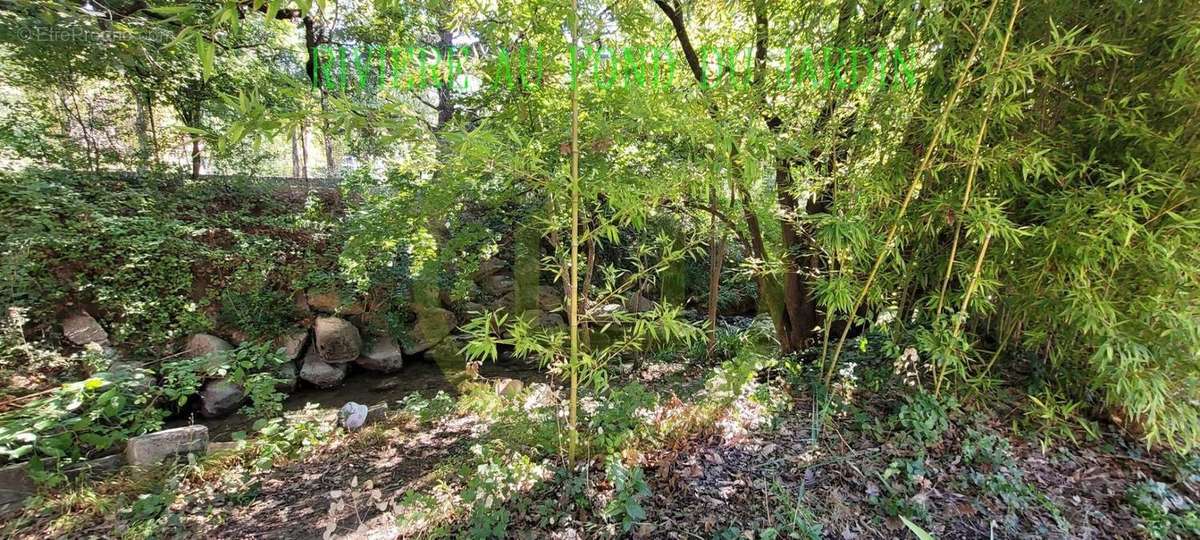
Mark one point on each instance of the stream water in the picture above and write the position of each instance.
(369, 388)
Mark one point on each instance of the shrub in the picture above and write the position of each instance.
(81, 419)
(629, 488)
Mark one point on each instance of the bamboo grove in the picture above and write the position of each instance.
(1029, 202)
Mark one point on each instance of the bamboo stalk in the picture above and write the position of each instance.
(987, 116)
(941, 370)
(573, 362)
(939, 130)
(941, 375)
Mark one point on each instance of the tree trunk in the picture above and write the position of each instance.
(304, 149)
(195, 157)
(295, 156)
(716, 258)
(153, 129)
(331, 168)
(143, 131)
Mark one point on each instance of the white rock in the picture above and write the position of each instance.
(150, 449)
(81, 328)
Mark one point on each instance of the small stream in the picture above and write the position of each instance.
(369, 388)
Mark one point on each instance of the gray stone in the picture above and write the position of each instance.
(472, 309)
(432, 326)
(549, 298)
(636, 303)
(150, 449)
(609, 309)
(293, 344)
(551, 320)
(331, 302)
(202, 344)
(541, 319)
(95, 467)
(320, 373)
(324, 301)
(221, 398)
(497, 285)
(337, 341)
(285, 375)
(15, 486)
(384, 355)
(445, 356)
(509, 387)
(487, 267)
(82, 329)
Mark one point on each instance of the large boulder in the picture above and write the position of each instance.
(488, 267)
(331, 302)
(549, 298)
(150, 449)
(82, 329)
(445, 356)
(541, 319)
(15, 486)
(384, 355)
(203, 344)
(221, 398)
(636, 303)
(432, 326)
(337, 341)
(320, 373)
(497, 284)
(293, 344)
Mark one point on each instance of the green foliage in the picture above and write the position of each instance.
(796, 519)
(986, 448)
(86, 418)
(920, 533)
(732, 378)
(250, 365)
(615, 423)
(1070, 140)
(1054, 417)
(152, 254)
(901, 481)
(279, 439)
(22, 359)
(262, 314)
(1163, 512)
(428, 410)
(925, 418)
(629, 488)
(81, 419)
(498, 477)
